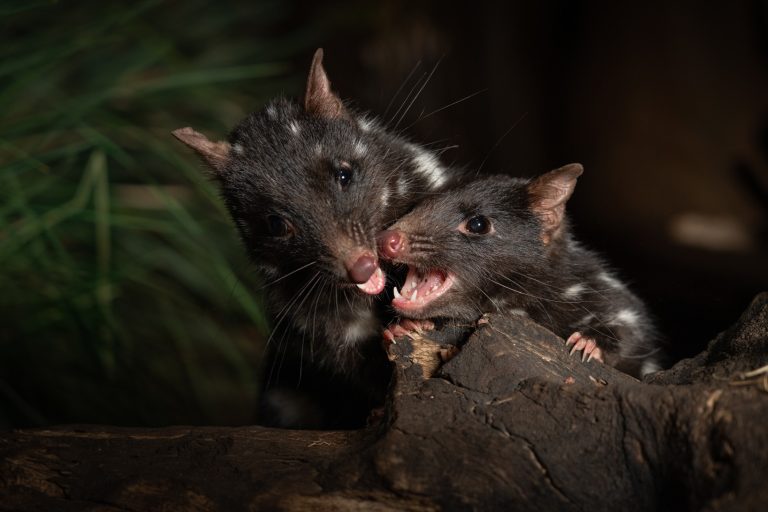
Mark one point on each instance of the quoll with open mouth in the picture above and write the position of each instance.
(502, 244)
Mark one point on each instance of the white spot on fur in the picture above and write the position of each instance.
(402, 186)
(360, 149)
(626, 317)
(385, 197)
(574, 291)
(649, 366)
(295, 129)
(584, 321)
(365, 124)
(518, 312)
(428, 165)
(360, 328)
(609, 280)
(271, 112)
(237, 148)
(318, 150)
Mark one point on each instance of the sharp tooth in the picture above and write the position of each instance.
(396, 293)
(415, 294)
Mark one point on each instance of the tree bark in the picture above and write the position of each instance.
(510, 423)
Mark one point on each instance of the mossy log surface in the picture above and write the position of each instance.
(510, 422)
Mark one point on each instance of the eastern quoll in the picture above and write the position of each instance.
(309, 185)
(502, 244)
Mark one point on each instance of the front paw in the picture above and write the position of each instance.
(586, 344)
(406, 327)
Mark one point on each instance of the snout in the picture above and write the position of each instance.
(361, 267)
(392, 243)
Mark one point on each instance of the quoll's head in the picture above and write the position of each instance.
(461, 247)
(309, 184)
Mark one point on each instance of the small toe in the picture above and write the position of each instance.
(408, 324)
(578, 346)
(597, 355)
(398, 330)
(573, 338)
(588, 349)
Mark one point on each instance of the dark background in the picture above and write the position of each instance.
(126, 296)
(665, 104)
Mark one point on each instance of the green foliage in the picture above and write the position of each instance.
(127, 298)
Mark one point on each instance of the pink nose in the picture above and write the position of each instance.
(361, 269)
(391, 243)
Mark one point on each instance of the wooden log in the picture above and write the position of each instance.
(510, 423)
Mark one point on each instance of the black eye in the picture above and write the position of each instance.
(278, 226)
(344, 174)
(478, 225)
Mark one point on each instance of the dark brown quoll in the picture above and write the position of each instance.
(502, 244)
(309, 184)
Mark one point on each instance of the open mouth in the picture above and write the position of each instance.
(421, 287)
(375, 284)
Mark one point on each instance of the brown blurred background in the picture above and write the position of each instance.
(665, 104)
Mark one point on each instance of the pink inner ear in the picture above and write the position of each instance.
(319, 99)
(549, 194)
(216, 154)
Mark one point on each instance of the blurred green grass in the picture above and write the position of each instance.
(126, 296)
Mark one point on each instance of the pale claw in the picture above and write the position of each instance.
(573, 338)
(586, 344)
(589, 349)
(579, 345)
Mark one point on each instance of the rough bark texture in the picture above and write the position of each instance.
(511, 422)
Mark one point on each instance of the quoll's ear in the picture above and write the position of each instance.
(215, 154)
(549, 193)
(319, 99)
